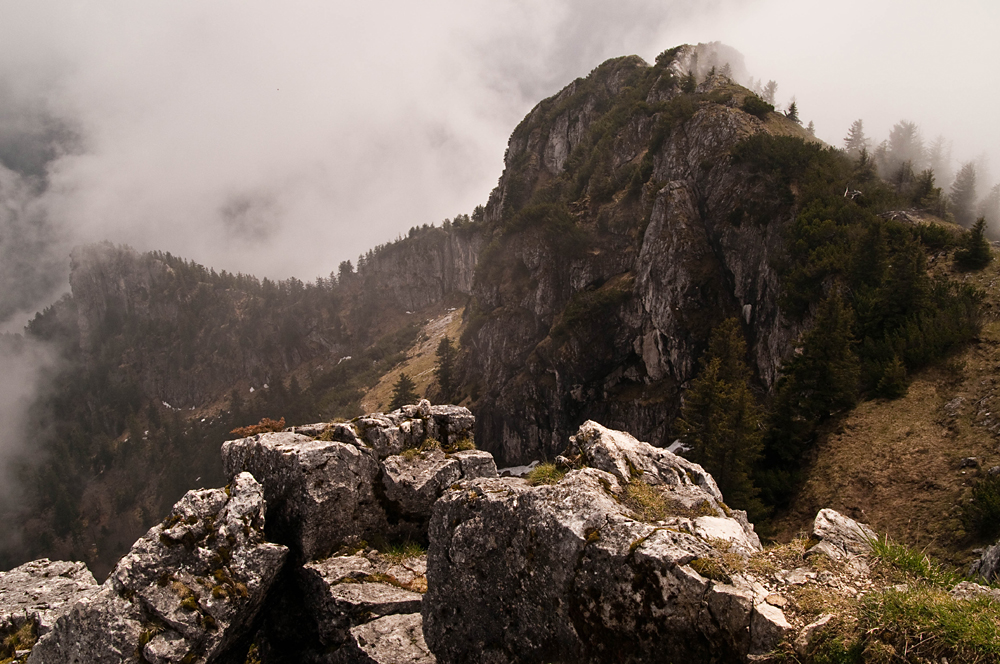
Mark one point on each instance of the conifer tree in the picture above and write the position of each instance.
(445, 371)
(720, 421)
(856, 141)
(403, 392)
(963, 194)
(769, 91)
(689, 84)
(793, 112)
(975, 253)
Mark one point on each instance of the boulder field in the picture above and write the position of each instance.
(389, 539)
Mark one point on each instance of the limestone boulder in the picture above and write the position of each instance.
(413, 482)
(687, 484)
(320, 494)
(346, 591)
(40, 591)
(840, 536)
(987, 566)
(189, 590)
(394, 639)
(345, 482)
(566, 572)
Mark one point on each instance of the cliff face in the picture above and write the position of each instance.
(620, 233)
(424, 268)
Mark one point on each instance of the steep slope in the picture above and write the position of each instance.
(908, 465)
(161, 358)
(621, 232)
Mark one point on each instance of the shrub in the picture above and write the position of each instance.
(266, 425)
(756, 106)
(981, 515)
(974, 250)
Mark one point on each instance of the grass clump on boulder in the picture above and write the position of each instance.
(545, 473)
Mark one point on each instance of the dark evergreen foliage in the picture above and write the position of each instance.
(756, 106)
(974, 251)
(963, 194)
(445, 371)
(878, 314)
(720, 421)
(404, 392)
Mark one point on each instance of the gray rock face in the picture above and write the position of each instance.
(987, 567)
(687, 483)
(319, 494)
(395, 639)
(415, 483)
(841, 536)
(566, 572)
(187, 591)
(322, 494)
(339, 593)
(41, 591)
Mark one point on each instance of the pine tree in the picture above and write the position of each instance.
(963, 194)
(445, 371)
(974, 252)
(793, 112)
(855, 142)
(720, 421)
(689, 84)
(811, 128)
(769, 91)
(403, 392)
(905, 144)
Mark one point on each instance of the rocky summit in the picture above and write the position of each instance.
(624, 552)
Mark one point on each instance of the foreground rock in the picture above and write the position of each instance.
(987, 566)
(362, 607)
(40, 591)
(567, 572)
(841, 537)
(188, 591)
(339, 484)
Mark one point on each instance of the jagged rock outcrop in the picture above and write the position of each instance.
(987, 566)
(351, 484)
(35, 594)
(189, 590)
(580, 577)
(365, 607)
(621, 232)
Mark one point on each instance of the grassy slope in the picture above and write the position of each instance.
(421, 359)
(897, 464)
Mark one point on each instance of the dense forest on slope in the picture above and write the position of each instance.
(159, 358)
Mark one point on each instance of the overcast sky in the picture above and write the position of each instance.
(281, 138)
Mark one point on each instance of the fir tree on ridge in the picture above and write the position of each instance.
(403, 392)
(720, 421)
(445, 371)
